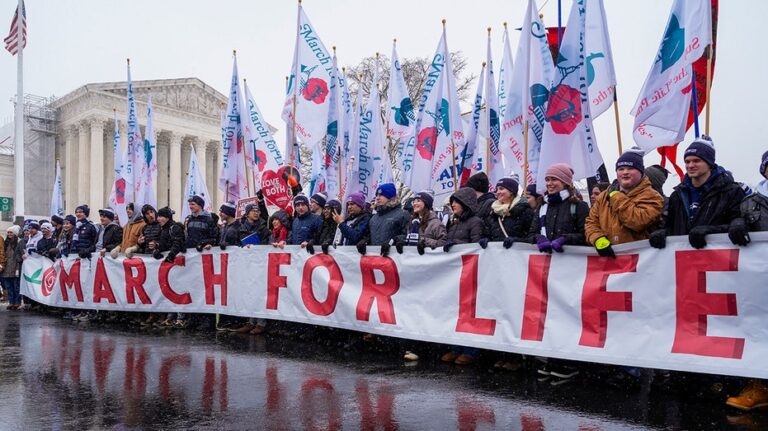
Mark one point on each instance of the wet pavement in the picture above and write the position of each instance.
(61, 375)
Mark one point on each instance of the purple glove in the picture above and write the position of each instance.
(557, 245)
(545, 246)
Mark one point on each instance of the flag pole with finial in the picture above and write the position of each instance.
(453, 146)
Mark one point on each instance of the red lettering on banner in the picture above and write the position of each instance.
(335, 283)
(380, 292)
(275, 281)
(164, 377)
(694, 304)
(468, 321)
(536, 297)
(71, 279)
(211, 279)
(165, 286)
(596, 301)
(311, 410)
(101, 287)
(135, 283)
(380, 418)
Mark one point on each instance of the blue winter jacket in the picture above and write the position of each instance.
(304, 228)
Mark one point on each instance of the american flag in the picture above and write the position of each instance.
(12, 40)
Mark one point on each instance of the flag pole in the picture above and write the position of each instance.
(338, 146)
(295, 91)
(453, 144)
(245, 162)
(694, 103)
(18, 146)
(710, 53)
(618, 123)
(488, 122)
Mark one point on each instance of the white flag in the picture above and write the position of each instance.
(601, 76)
(334, 136)
(309, 84)
(568, 133)
(505, 77)
(401, 118)
(472, 159)
(531, 80)
(345, 125)
(135, 148)
(317, 177)
(661, 110)
(261, 150)
(146, 170)
(117, 194)
(232, 179)
(195, 186)
(490, 127)
(371, 143)
(57, 200)
(352, 153)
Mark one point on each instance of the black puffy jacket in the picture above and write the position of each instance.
(327, 232)
(754, 211)
(150, 232)
(85, 237)
(230, 234)
(259, 227)
(113, 236)
(516, 223)
(172, 238)
(565, 218)
(467, 228)
(719, 204)
(201, 230)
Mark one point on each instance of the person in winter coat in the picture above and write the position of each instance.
(57, 222)
(389, 225)
(426, 229)
(327, 232)
(532, 196)
(131, 231)
(64, 245)
(706, 202)
(202, 232)
(317, 203)
(252, 223)
(482, 187)
(510, 216)
(464, 227)
(171, 238)
(230, 230)
(280, 224)
(9, 275)
(86, 234)
(305, 224)
(628, 211)
(30, 246)
(353, 229)
(149, 240)
(561, 214)
(47, 244)
(753, 218)
(110, 233)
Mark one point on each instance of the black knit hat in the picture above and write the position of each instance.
(426, 198)
(319, 198)
(71, 219)
(510, 184)
(85, 209)
(57, 219)
(198, 200)
(228, 209)
(631, 159)
(531, 189)
(479, 182)
(703, 148)
(146, 208)
(166, 212)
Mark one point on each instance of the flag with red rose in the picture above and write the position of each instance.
(308, 84)
(117, 194)
(568, 132)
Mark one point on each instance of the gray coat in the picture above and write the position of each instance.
(432, 232)
(467, 228)
(390, 222)
(12, 258)
(754, 211)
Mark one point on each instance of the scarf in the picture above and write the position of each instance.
(554, 198)
(503, 210)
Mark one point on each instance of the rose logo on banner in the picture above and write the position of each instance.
(313, 89)
(275, 189)
(49, 281)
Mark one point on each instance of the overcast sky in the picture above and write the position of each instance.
(74, 42)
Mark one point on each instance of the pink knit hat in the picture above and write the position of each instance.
(561, 171)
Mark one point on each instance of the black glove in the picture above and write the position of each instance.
(697, 236)
(84, 254)
(361, 247)
(508, 241)
(603, 247)
(31, 252)
(483, 243)
(223, 246)
(199, 248)
(399, 246)
(385, 249)
(157, 255)
(738, 232)
(421, 247)
(310, 248)
(169, 259)
(658, 239)
(325, 247)
(448, 245)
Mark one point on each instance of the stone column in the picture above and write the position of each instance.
(176, 181)
(83, 167)
(70, 168)
(97, 177)
(215, 190)
(199, 148)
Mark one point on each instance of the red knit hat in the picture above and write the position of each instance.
(561, 171)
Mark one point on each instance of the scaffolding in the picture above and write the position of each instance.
(39, 114)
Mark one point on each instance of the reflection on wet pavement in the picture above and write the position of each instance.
(58, 375)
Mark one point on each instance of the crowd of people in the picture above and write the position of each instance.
(633, 207)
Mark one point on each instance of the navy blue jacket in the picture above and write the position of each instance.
(304, 228)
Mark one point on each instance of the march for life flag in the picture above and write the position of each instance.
(661, 109)
(117, 194)
(372, 158)
(568, 133)
(601, 75)
(347, 118)
(334, 136)
(352, 152)
(472, 157)
(57, 200)
(401, 118)
(261, 150)
(146, 169)
(531, 80)
(232, 179)
(309, 84)
(440, 139)
(195, 186)
(490, 127)
(12, 40)
(134, 149)
(505, 76)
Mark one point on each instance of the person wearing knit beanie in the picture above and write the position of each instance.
(560, 171)
(356, 198)
(85, 210)
(107, 212)
(764, 165)
(69, 218)
(197, 200)
(228, 209)
(300, 199)
(479, 183)
(509, 184)
(703, 148)
(631, 159)
(166, 212)
(388, 190)
(317, 203)
(426, 198)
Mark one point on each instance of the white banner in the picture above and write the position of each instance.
(677, 308)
